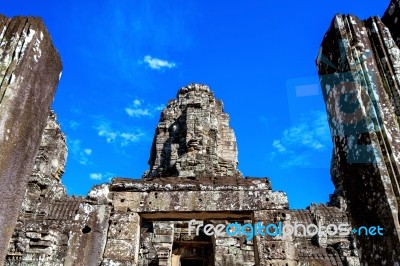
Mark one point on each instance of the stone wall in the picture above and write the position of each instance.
(29, 73)
(359, 68)
(53, 229)
(391, 20)
(193, 173)
(161, 209)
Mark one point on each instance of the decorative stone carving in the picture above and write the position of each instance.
(193, 137)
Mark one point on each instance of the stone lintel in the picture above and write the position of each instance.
(195, 184)
(209, 201)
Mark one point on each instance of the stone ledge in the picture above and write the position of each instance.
(190, 184)
(184, 201)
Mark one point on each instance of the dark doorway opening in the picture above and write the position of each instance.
(191, 262)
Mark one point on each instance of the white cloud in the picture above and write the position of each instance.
(104, 131)
(117, 136)
(140, 109)
(278, 145)
(88, 151)
(81, 155)
(137, 112)
(157, 64)
(137, 102)
(130, 137)
(96, 176)
(299, 142)
(102, 176)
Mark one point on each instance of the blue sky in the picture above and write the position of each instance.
(123, 60)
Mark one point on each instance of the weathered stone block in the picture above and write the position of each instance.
(124, 226)
(30, 68)
(199, 201)
(119, 249)
(359, 68)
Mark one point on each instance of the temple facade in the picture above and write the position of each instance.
(193, 206)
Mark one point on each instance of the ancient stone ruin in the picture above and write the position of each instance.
(146, 222)
(29, 74)
(193, 138)
(193, 181)
(359, 67)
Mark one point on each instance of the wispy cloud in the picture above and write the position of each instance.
(278, 146)
(150, 26)
(111, 135)
(81, 155)
(158, 64)
(302, 140)
(139, 109)
(73, 124)
(101, 176)
(88, 151)
(96, 176)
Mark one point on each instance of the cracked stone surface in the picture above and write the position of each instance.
(391, 19)
(29, 73)
(193, 137)
(359, 68)
(145, 222)
(193, 169)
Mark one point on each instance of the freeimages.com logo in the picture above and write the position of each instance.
(282, 230)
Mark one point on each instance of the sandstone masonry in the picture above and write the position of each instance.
(193, 168)
(29, 73)
(145, 222)
(193, 137)
(359, 67)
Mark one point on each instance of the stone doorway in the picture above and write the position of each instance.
(190, 249)
(192, 262)
(193, 253)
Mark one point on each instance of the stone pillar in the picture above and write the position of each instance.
(123, 240)
(359, 68)
(89, 234)
(30, 68)
(273, 250)
(391, 19)
(233, 250)
(163, 240)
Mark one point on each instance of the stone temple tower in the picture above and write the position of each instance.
(193, 137)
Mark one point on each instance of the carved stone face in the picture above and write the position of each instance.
(193, 137)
